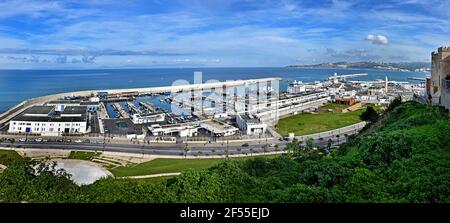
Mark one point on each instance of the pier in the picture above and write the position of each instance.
(119, 109)
(133, 108)
(147, 106)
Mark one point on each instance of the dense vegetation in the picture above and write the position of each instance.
(404, 157)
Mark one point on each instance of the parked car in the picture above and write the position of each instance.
(39, 140)
(245, 145)
(22, 139)
(78, 141)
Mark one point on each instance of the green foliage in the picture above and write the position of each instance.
(7, 157)
(21, 182)
(79, 155)
(395, 103)
(370, 115)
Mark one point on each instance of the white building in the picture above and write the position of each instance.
(296, 87)
(90, 105)
(219, 129)
(181, 130)
(250, 125)
(148, 118)
(50, 120)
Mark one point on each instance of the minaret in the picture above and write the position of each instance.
(386, 85)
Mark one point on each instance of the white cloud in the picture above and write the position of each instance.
(377, 39)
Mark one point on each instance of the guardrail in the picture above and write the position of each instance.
(344, 130)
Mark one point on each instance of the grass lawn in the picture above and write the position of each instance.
(303, 124)
(79, 155)
(165, 165)
(8, 157)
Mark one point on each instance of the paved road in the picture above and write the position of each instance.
(174, 150)
(178, 149)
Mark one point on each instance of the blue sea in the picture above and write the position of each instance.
(18, 85)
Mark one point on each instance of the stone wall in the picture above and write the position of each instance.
(440, 77)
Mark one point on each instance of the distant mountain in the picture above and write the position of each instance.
(403, 66)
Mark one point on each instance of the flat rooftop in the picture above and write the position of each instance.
(48, 114)
(217, 127)
(250, 118)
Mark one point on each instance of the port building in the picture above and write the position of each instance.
(250, 124)
(51, 120)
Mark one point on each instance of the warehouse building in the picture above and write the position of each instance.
(50, 120)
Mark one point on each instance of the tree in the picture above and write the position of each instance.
(251, 151)
(330, 143)
(395, 103)
(265, 148)
(239, 150)
(309, 143)
(370, 115)
(186, 150)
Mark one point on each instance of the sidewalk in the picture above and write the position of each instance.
(150, 176)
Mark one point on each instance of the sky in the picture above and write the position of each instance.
(50, 34)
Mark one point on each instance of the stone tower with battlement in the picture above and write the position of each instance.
(440, 77)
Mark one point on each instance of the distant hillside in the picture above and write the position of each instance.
(404, 66)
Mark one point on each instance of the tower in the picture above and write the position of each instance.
(386, 85)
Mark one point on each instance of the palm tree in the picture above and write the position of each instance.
(251, 151)
(200, 152)
(186, 150)
(226, 153)
(239, 150)
(337, 136)
(276, 147)
(264, 148)
(213, 151)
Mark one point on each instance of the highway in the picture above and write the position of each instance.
(319, 139)
(168, 150)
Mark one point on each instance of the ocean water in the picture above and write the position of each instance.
(18, 85)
